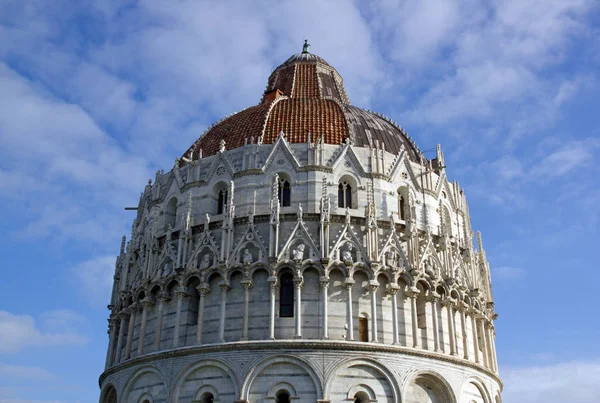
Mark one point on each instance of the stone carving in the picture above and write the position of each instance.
(205, 263)
(346, 254)
(247, 258)
(298, 253)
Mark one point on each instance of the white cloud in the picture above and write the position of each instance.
(485, 62)
(21, 331)
(20, 372)
(569, 156)
(573, 382)
(95, 278)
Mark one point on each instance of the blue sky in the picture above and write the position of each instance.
(96, 96)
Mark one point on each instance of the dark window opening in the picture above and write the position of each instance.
(207, 397)
(363, 329)
(282, 397)
(285, 193)
(286, 296)
(401, 207)
(222, 202)
(361, 397)
(344, 195)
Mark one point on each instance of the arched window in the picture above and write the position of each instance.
(285, 193)
(207, 397)
(363, 328)
(111, 396)
(421, 311)
(402, 206)
(286, 296)
(361, 397)
(222, 201)
(344, 195)
(283, 396)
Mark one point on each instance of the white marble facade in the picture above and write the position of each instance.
(226, 294)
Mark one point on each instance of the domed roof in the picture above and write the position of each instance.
(305, 95)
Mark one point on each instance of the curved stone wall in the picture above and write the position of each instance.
(319, 371)
(370, 252)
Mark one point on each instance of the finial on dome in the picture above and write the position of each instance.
(306, 47)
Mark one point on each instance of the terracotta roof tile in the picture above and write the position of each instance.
(296, 117)
(312, 88)
(305, 82)
(234, 130)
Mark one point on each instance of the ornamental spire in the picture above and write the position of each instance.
(306, 47)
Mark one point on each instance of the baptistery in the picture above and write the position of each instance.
(302, 249)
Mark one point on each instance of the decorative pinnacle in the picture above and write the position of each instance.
(306, 47)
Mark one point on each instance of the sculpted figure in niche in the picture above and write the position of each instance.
(391, 259)
(347, 253)
(429, 267)
(298, 253)
(247, 258)
(205, 263)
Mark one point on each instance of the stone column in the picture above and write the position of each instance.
(493, 343)
(203, 290)
(324, 281)
(298, 283)
(133, 310)
(488, 344)
(451, 330)
(412, 294)
(473, 314)
(481, 339)
(463, 328)
(373, 287)
(392, 291)
(180, 294)
(247, 284)
(273, 288)
(162, 298)
(124, 315)
(224, 288)
(112, 335)
(348, 284)
(436, 334)
(146, 304)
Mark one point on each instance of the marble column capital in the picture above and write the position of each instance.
(163, 297)
(224, 284)
(298, 281)
(124, 314)
(273, 282)
(247, 284)
(373, 285)
(432, 296)
(349, 282)
(392, 289)
(203, 289)
(181, 293)
(447, 302)
(147, 303)
(413, 292)
(324, 282)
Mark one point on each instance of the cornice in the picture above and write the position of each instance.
(315, 345)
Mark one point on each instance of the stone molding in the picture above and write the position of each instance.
(303, 344)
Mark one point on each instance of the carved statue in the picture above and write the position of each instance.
(247, 258)
(391, 259)
(298, 253)
(205, 263)
(347, 253)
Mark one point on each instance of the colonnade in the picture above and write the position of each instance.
(479, 346)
